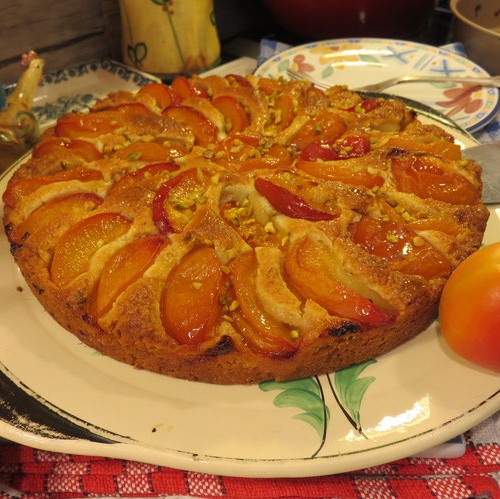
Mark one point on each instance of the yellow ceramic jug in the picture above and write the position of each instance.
(169, 37)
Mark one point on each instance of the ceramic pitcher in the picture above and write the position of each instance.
(169, 37)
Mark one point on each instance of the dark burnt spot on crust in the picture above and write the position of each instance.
(89, 320)
(14, 247)
(223, 347)
(345, 328)
(38, 288)
(8, 228)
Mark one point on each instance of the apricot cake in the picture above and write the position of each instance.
(240, 229)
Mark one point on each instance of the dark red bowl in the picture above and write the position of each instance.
(324, 19)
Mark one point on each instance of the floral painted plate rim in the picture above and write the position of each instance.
(59, 395)
(79, 86)
(361, 61)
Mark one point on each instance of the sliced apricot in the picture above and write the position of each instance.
(443, 148)
(285, 111)
(400, 245)
(182, 88)
(203, 129)
(261, 331)
(25, 186)
(161, 93)
(307, 266)
(74, 250)
(176, 200)
(337, 173)
(270, 85)
(288, 203)
(190, 302)
(236, 149)
(234, 113)
(85, 125)
(123, 268)
(151, 151)
(75, 125)
(86, 150)
(68, 208)
(277, 156)
(428, 178)
(326, 127)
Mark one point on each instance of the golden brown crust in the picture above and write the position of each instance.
(223, 248)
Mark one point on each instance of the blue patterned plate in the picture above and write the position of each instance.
(80, 86)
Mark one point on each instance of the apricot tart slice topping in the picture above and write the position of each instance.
(234, 113)
(126, 266)
(261, 331)
(400, 245)
(58, 147)
(428, 178)
(203, 129)
(176, 199)
(190, 302)
(161, 93)
(308, 267)
(64, 208)
(288, 203)
(25, 186)
(151, 152)
(74, 250)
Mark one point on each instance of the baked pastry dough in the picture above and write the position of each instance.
(237, 229)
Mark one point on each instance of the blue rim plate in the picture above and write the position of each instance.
(361, 61)
(79, 86)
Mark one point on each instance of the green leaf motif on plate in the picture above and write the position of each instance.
(328, 71)
(283, 65)
(351, 389)
(370, 60)
(304, 394)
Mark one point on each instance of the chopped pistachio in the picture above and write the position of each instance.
(418, 241)
(393, 238)
(270, 228)
(406, 216)
(294, 333)
(230, 253)
(234, 306)
(248, 221)
(134, 156)
(197, 285)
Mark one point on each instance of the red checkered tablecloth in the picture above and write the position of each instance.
(30, 473)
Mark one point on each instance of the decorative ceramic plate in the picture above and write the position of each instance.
(57, 394)
(361, 61)
(80, 86)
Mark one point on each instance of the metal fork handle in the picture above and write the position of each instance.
(298, 75)
(493, 81)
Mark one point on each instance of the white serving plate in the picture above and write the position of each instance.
(59, 395)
